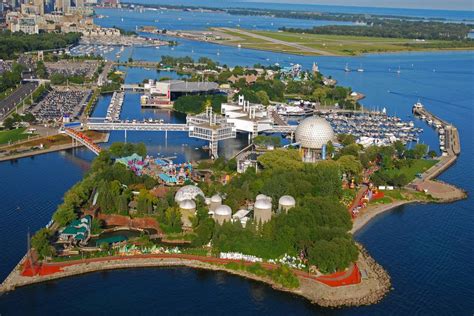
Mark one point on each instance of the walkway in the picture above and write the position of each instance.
(346, 277)
(83, 139)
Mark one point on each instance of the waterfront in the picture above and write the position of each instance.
(425, 248)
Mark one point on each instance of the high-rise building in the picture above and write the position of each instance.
(40, 5)
(62, 5)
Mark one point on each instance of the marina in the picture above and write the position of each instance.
(115, 107)
(422, 231)
(373, 128)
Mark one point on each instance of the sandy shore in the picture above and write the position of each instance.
(371, 289)
(372, 212)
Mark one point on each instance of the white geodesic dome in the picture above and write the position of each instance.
(314, 132)
(188, 192)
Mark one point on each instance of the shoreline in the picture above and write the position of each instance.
(369, 291)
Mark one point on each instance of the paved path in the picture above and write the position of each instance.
(280, 42)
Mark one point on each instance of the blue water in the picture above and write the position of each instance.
(452, 15)
(181, 20)
(427, 249)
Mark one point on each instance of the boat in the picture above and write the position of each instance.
(347, 69)
(360, 69)
(398, 70)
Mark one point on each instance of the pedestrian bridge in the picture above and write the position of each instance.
(136, 126)
(83, 139)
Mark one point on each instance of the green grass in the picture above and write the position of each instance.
(337, 44)
(13, 135)
(418, 166)
(281, 275)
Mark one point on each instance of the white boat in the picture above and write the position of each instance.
(360, 69)
(347, 69)
(399, 71)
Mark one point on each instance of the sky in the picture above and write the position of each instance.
(467, 5)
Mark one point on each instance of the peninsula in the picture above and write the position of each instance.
(184, 214)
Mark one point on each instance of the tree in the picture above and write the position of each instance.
(287, 159)
(399, 147)
(263, 97)
(350, 165)
(330, 148)
(41, 243)
(420, 150)
(400, 180)
(145, 202)
(432, 154)
(64, 215)
(9, 123)
(41, 71)
(346, 139)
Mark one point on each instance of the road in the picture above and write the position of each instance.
(280, 42)
(8, 104)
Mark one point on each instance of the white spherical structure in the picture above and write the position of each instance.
(222, 213)
(187, 205)
(262, 210)
(314, 132)
(188, 192)
(286, 202)
(262, 197)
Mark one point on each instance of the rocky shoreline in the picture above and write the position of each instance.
(369, 291)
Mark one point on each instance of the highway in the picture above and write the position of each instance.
(8, 104)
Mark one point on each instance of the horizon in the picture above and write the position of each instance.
(439, 5)
(435, 5)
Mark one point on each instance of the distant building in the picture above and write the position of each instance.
(25, 24)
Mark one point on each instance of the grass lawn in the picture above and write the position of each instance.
(13, 135)
(418, 166)
(335, 44)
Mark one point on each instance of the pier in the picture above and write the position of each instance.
(451, 149)
(451, 134)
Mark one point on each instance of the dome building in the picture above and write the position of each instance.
(262, 210)
(222, 213)
(188, 205)
(216, 201)
(285, 203)
(188, 192)
(313, 133)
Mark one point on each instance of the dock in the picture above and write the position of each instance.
(452, 142)
(452, 148)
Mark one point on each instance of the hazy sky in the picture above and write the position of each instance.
(419, 4)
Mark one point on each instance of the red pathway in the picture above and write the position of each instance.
(348, 277)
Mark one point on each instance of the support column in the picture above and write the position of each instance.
(213, 145)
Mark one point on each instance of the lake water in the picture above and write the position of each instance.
(427, 249)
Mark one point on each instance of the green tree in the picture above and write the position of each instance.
(263, 97)
(41, 243)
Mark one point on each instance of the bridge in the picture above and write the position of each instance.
(83, 139)
(136, 126)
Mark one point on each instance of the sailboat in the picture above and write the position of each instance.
(360, 69)
(347, 69)
(399, 71)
